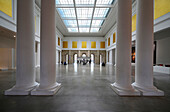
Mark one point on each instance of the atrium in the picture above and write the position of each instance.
(84, 55)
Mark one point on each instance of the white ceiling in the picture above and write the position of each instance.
(107, 25)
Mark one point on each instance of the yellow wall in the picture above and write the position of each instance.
(74, 44)
(65, 44)
(114, 37)
(84, 44)
(93, 44)
(162, 7)
(134, 23)
(102, 44)
(6, 7)
(58, 41)
(109, 41)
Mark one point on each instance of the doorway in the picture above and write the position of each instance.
(92, 58)
(75, 58)
(67, 58)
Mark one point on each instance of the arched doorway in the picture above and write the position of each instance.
(101, 59)
(92, 58)
(75, 58)
(84, 55)
(67, 58)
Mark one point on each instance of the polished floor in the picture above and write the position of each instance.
(85, 88)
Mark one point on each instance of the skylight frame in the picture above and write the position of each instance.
(87, 16)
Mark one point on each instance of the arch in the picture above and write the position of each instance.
(75, 56)
(83, 55)
(67, 58)
(92, 57)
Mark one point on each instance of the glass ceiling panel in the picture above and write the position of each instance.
(72, 29)
(101, 12)
(69, 2)
(79, 2)
(67, 12)
(94, 30)
(84, 22)
(84, 13)
(79, 11)
(84, 29)
(70, 23)
(101, 2)
(97, 23)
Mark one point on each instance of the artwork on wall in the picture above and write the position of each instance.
(114, 37)
(74, 44)
(58, 41)
(6, 7)
(65, 44)
(84, 44)
(102, 44)
(109, 41)
(93, 44)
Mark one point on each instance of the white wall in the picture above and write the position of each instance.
(113, 56)
(163, 51)
(79, 41)
(110, 57)
(7, 53)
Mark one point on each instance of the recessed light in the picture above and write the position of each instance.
(14, 36)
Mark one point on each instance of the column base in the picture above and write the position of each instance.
(153, 91)
(46, 92)
(20, 91)
(122, 92)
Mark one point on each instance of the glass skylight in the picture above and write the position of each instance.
(72, 29)
(97, 23)
(84, 13)
(101, 2)
(83, 16)
(68, 2)
(101, 12)
(83, 29)
(67, 12)
(94, 29)
(70, 23)
(84, 22)
(79, 2)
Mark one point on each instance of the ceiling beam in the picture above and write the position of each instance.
(92, 14)
(76, 14)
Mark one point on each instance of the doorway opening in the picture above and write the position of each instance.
(92, 58)
(101, 59)
(67, 58)
(75, 58)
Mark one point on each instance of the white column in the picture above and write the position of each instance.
(60, 56)
(25, 73)
(57, 55)
(110, 56)
(38, 54)
(144, 49)
(106, 57)
(122, 85)
(48, 84)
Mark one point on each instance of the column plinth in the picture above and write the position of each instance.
(144, 50)
(48, 84)
(25, 72)
(122, 85)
